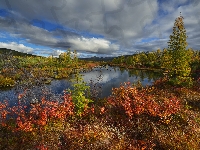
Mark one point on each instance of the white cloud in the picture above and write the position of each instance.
(115, 19)
(17, 47)
(93, 45)
(125, 22)
(22, 29)
(57, 52)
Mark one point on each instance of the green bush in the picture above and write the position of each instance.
(78, 94)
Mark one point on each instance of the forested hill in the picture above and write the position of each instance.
(95, 58)
(98, 58)
(14, 53)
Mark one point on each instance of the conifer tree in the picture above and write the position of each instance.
(180, 58)
(166, 59)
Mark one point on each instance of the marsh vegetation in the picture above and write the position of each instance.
(162, 115)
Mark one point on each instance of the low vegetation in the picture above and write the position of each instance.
(18, 68)
(165, 115)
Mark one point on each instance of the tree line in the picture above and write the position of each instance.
(181, 64)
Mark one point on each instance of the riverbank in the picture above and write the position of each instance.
(45, 74)
(131, 67)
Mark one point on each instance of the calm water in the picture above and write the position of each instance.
(106, 78)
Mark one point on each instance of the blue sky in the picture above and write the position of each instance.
(94, 27)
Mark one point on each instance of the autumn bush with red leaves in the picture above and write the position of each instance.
(131, 118)
(37, 115)
(132, 101)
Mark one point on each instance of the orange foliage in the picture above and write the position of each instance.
(136, 102)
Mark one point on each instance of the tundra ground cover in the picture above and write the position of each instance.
(164, 115)
(131, 118)
(18, 68)
(161, 116)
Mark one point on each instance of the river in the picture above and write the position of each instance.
(104, 79)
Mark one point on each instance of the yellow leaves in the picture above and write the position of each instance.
(6, 81)
(166, 121)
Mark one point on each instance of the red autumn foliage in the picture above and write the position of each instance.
(132, 102)
(38, 115)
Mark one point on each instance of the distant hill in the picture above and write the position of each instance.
(14, 53)
(98, 58)
(103, 58)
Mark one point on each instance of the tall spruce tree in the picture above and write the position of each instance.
(179, 70)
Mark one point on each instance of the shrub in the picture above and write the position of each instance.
(6, 81)
(78, 94)
(38, 124)
(133, 102)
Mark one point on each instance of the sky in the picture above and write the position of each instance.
(102, 28)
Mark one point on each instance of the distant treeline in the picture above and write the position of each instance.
(106, 59)
(154, 59)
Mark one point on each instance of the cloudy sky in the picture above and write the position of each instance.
(94, 27)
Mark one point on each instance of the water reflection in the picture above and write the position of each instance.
(107, 78)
